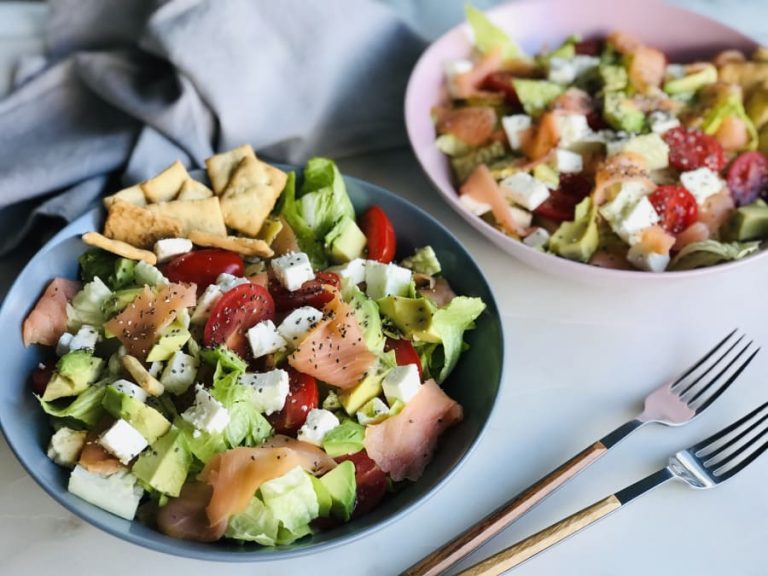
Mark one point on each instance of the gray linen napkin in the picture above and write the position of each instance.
(128, 86)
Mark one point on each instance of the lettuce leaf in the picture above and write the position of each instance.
(96, 262)
(86, 307)
(85, 410)
(732, 105)
(292, 499)
(711, 252)
(223, 358)
(449, 324)
(488, 36)
(292, 212)
(247, 426)
(254, 524)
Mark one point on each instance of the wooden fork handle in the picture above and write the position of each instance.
(522, 551)
(468, 541)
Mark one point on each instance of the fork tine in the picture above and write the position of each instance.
(720, 450)
(744, 463)
(703, 359)
(709, 369)
(723, 386)
(709, 442)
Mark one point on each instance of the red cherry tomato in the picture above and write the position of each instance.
(405, 353)
(561, 204)
(748, 177)
(302, 397)
(312, 292)
(380, 234)
(691, 149)
(203, 267)
(591, 47)
(370, 479)
(40, 378)
(676, 206)
(235, 312)
(596, 121)
(501, 81)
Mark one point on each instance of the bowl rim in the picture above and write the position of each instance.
(208, 552)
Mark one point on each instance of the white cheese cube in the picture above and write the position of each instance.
(207, 414)
(702, 183)
(584, 63)
(537, 239)
(514, 127)
(521, 217)
(649, 261)
(377, 410)
(401, 383)
(674, 71)
(572, 128)
(292, 270)
(295, 327)
(205, 303)
(386, 280)
(452, 69)
(640, 216)
(627, 213)
(524, 190)
(318, 423)
(118, 493)
(616, 146)
(65, 446)
(662, 121)
(352, 272)
(130, 389)
(123, 441)
(145, 273)
(567, 162)
(155, 369)
(62, 346)
(85, 339)
(475, 207)
(168, 248)
(180, 372)
(561, 70)
(264, 339)
(270, 389)
(228, 281)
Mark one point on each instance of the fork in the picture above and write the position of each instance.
(673, 404)
(703, 465)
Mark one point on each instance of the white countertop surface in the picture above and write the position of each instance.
(579, 359)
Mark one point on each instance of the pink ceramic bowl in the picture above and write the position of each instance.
(534, 24)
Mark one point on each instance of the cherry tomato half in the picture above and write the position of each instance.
(380, 234)
(303, 396)
(40, 377)
(561, 204)
(405, 353)
(691, 149)
(676, 206)
(312, 292)
(748, 177)
(237, 310)
(370, 479)
(203, 267)
(501, 81)
(590, 47)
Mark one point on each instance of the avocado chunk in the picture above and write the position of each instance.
(621, 113)
(748, 223)
(345, 241)
(164, 467)
(535, 95)
(75, 371)
(651, 147)
(346, 438)
(169, 343)
(340, 483)
(705, 74)
(757, 107)
(423, 261)
(367, 315)
(369, 387)
(117, 301)
(123, 274)
(613, 76)
(148, 421)
(579, 239)
(324, 501)
(547, 174)
(409, 315)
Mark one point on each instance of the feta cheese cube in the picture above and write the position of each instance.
(123, 441)
(206, 414)
(616, 146)
(292, 270)
(130, 389)
(118, 493)
(264, 339)
(567, 162)
(295, 327)
(452, 69)
(648, 261)
(662, 121)
(205, 303)
(386, 280)
(352, 272)
(65, 446)
(319, 422)
(62, 346)
(270, 389)
(85, 339)
(702, 183)
(561, 70)
(514, 127)
(524, 190)
(522, 218)
(630, 211)
(475, 207)
(401, 383)
(640, 216)
(180, 372)
(168, 248)
(228, 281)
(537, 239)
(572, 128)
(376, 411)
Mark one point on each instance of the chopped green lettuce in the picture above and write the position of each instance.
(147, 274)
(96, 262)
(203, 445)
(86, 306)
(488, 36)
(255, 524)
(711, 252)
(84, 411)
(247, 426)
(292, 499)
(308, 241)
(224, 357)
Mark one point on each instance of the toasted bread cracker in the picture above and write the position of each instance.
(221, 166)
(120, 248)
(133, 195)
(166, 185)
(204, 215)
(251, 194)
(139, 226)
(245, 246)
(143, 378)
(194, 190)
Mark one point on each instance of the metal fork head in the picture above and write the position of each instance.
(679, 401)
(724, 454)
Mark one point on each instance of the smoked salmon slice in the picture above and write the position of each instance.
(48, 319)
(482, 187)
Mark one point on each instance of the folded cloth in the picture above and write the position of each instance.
(129, 86)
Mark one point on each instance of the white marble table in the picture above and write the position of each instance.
(579, 358)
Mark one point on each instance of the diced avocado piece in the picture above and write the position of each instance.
(451, 145)
(123, 274)
(705, 74)
(118, 300)
(621, 113)
(346, 438)
(545, 173)
(748, 223)
(269, 230)
(535, 95)
(651, 147)
(579, 239)
(118, 493)
(367, 315)
(341, 485)
(165, 465)
(409, 315)
(613, 76)
(727, 104)
(169, 343)
(75, 371)
(566, 51)
(324, 501)
(757, 107)
(465, 164)
(423, 261)
(368, 388)
(148, 421)
(345, 241)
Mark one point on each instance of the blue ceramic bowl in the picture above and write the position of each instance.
(474, 383)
